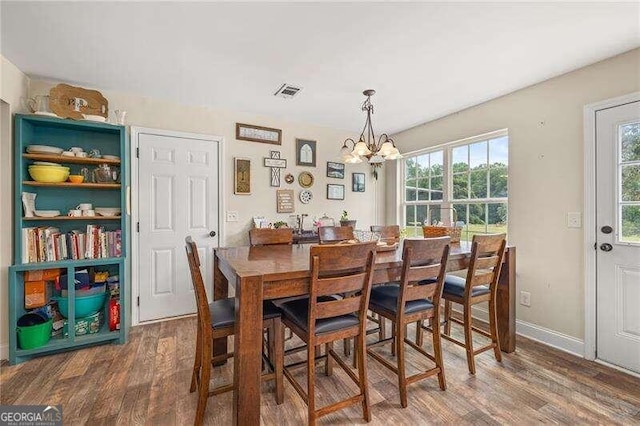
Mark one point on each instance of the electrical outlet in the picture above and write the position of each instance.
(574, 220)
(232, 216)
(525, 298)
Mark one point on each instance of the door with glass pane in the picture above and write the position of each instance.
(618, 235)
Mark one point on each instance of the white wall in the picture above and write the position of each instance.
(545, 124)
(13, 87)
(155, 113)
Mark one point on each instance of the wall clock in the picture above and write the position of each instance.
(305, 179)
(305, 196)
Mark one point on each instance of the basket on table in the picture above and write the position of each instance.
(433, 231)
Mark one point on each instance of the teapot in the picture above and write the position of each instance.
(105, 174)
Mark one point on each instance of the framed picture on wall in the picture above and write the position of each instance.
(305, 153)
(335, 192)
(241, 176)
(251, 133)
(335, 170)
(357, 182)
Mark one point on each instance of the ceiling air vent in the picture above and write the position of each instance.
(287, 91)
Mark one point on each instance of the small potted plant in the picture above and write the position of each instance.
(344, 220)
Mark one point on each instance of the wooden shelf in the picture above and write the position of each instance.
(96, 217)
(73, 185)
(69, 160)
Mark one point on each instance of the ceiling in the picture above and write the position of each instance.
(425, 60)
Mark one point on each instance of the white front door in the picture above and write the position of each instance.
(618, 235)
(177, 196)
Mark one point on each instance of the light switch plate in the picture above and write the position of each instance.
(574, 220)
(232, 216)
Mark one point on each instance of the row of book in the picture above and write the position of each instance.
(48, 244)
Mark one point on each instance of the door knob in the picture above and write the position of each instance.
(606, 229)
(606, 247)
(212, 234)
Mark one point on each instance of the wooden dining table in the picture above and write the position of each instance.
(273, 272)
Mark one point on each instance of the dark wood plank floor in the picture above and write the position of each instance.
(147, 380)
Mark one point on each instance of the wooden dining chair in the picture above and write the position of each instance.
(268, 236)
(216, 320)
(335, 234)
(323, 318)
(388, 234)
(415, 298)
(481, 285)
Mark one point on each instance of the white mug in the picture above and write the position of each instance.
(84, 206)
(75, 213)
(88, 212)
(75, 149)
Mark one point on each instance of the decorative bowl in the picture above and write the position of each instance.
(49, 174)
(76, 178)
(108, 211)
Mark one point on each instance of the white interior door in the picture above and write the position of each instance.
(177, 196)
(618, 235)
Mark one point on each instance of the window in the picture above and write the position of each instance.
(629, 181)
(464, 182)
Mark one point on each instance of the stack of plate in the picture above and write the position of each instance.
(44, 149)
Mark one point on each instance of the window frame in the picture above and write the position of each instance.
(447, 197)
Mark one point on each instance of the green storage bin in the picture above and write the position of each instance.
(34, 336)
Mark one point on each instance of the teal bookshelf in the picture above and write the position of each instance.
(109, 139)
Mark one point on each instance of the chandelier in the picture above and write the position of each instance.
(375, 151)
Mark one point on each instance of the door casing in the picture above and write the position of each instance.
(589, 222)
(135, 215)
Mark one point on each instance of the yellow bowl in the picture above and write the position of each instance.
(76, 178)
(49, 174)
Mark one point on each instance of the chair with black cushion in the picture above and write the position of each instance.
(323, 318)
(268, 236)
(216, 320)
(414, 299)
(481, 285)
(335, 234)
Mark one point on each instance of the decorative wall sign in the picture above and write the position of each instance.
(305, 196)
(249, 132)
(305, 153)
(289, 178)
(241, 176)
(305, 179)
(72, 102)
(275, 163)
(357, 182)
(335, 170)
(335, 192)
(285, 201)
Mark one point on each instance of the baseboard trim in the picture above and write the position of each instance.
(540, 334)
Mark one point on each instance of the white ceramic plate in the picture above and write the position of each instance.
(47, 213)
(305, 196)
(44, 149)
(44, 163)
(98, 118)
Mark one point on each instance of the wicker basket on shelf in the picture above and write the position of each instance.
(433, 231)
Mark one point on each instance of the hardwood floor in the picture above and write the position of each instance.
(147, 381)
